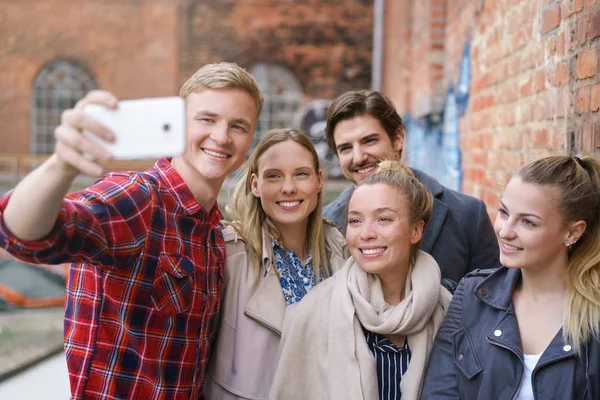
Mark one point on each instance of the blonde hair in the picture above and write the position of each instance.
(247, 208)
(416, 196)
(223, 75)
(578, 182)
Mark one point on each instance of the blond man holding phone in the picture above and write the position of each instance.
(145, 285)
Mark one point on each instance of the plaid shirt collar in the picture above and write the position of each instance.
(185, 197)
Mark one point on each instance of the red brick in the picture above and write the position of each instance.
(561, 74)
(501, 73)
(538, 111)
(509, 116)
(473, 158)
(525, 88)
(475, 175)
(540, 81)
(567, 9)
(476, 103)
(587, 64)
(487, 141)
(529, 59)
(540, 139)
(550, 46)
(587, 139)
(582, 30)
(560, 44)
(551, 18)
(597, 134)
(561, 98)
(594, 25)
(555, 140)
(595, 99)
(509, 93)
(514, 66)
(583, 100)
(578, 5)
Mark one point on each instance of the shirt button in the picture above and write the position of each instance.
(460, 357)
(497, 333)
(482, 292)
(567, 347)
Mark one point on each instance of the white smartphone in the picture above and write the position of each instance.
(143, 128)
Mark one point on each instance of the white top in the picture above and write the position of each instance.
(526, 389)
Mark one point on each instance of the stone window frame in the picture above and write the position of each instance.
(60, 83)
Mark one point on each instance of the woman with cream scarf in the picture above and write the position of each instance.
(366, 333)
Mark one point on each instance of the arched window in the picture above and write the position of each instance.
(282, 93)
(58, 86)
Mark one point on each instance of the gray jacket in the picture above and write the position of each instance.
(460, 236)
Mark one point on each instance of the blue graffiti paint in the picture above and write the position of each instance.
(433, 141)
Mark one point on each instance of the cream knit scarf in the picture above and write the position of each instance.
(358, 300)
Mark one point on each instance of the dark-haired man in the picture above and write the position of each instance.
(363, 128)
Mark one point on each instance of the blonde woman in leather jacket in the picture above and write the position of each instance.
(530, 329)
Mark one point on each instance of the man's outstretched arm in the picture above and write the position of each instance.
(34, 206)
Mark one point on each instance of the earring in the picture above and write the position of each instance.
(569, 244)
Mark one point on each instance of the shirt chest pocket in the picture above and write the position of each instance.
(465, 358)
(173, 284)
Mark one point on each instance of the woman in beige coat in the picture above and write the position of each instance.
(276, 253)
(366, 333)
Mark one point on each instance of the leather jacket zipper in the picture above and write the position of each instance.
(515, 390)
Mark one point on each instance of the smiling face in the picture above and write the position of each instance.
(220, 125)
(529, 227)
(287, 184)
(379, 232)
(362, 142)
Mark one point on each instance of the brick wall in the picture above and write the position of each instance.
(149, 48)
(326, 43)
(534, 82)
(130, 47)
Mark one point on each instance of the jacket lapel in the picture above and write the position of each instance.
(556, 350)
(506, 334)
(267, 306)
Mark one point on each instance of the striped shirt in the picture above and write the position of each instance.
(143, 295)
(392, 363)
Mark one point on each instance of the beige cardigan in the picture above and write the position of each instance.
(244, 357)
(309, 339)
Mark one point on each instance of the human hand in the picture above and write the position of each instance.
(74, 152)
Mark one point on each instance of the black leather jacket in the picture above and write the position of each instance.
(477, 353)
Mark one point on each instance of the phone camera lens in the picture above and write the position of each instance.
(166, 128)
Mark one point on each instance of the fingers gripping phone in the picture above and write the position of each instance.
(143, 128)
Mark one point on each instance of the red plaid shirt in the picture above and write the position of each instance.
(143, 298)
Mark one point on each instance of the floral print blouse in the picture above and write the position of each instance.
(295, 279)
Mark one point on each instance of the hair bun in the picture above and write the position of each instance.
(394, 166)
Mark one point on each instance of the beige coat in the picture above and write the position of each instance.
(324, 354)
(244, 358)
